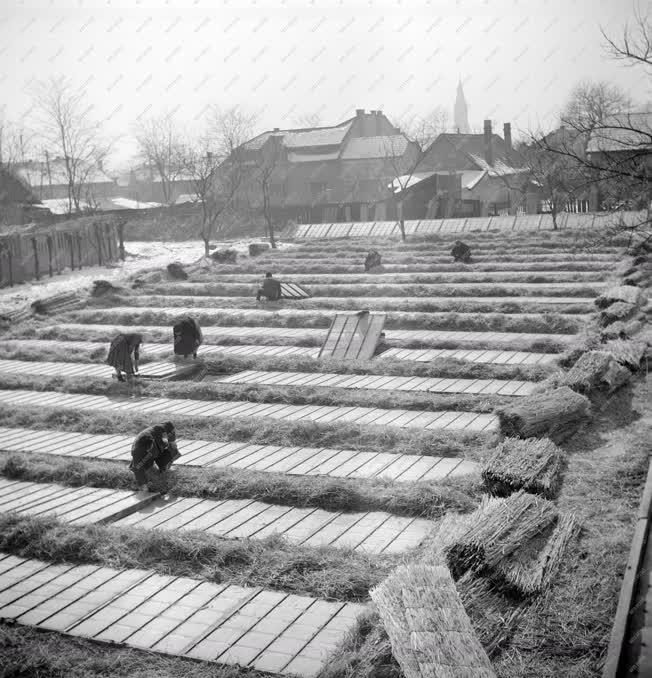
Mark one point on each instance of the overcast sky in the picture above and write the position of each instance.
(517, 59)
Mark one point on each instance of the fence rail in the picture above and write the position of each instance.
(45, 251)
(630, 646)
(523, 222)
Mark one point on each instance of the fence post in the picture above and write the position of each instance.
(49, 243)
(121, 238)
(98, 238)
(35, 251)
(80, 261)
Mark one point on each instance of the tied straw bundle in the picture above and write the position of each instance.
(430, 632)
(533, 465)
(556, 414)
(627, 294)
(498, 528)
(595, 370)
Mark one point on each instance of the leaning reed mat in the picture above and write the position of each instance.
(556, 414)
(430, 632)
(628, 294)
(529, 570)
(533, 465)
(498, 528)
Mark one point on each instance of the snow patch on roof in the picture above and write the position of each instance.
(389, 146)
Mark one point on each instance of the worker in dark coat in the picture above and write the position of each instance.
(461, 252)
(270, 289)
(187, 337)
(372, 260)
(124, 355)
(154, 445)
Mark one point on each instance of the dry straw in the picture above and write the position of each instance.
(430, 632)
(498, 528)
(533, 465)
(556, 414)
(627, 294)
(627, 353)
(617, 311)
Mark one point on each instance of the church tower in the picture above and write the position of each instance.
(461, 112)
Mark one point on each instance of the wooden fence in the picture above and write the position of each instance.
(522, 222)
(33, 254)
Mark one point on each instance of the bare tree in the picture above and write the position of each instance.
(616, 156)
(215, 164)
(161, 145)
(69, 131)
(267, 169)
(406, 162)
(591, 103)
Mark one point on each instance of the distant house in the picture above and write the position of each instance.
(467, 175)
(48, 181)
(327, 174)
(16, 198)
(622, 145)
(143, 184)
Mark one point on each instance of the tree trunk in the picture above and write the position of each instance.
(401, 219)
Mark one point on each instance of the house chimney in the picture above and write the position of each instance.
(488, 150)
(277, 129)
(507, 133)
(359, 112)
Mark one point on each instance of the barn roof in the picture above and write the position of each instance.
(622, 132)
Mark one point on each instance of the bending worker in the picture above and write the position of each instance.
(151, 448)
(271, 289)
(122, 348)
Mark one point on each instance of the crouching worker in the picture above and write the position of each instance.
(187, 337)
(150, 448)
(461, 252)
(372, 260)
(124, 356)
(270, 289)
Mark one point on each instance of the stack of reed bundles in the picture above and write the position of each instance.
(595, 370)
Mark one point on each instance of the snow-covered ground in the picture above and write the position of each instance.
(139, 255)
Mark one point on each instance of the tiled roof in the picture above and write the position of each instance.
(327, 136)
(313, 157)
(375, 147)
(622, 132)
(303, 138)
(445, 151)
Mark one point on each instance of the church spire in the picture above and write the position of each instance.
(461, 112)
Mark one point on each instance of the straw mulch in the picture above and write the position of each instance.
(529, 570)
(618, 311)
(430, 632)
(595, 370)
(630, 354)
(556, 414)
(621, 293)
(498, 528)
(533, 465)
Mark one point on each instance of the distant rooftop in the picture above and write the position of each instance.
(622, 132)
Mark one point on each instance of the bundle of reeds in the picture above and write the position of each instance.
(529, 570)
(628, 353)
(500, 526)
(595, 370)
(493, 615)
(621, 310)
(430, 632)
(557, 414)
(176, 271)
(621, 330)
(533, 465)
(621, 293)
